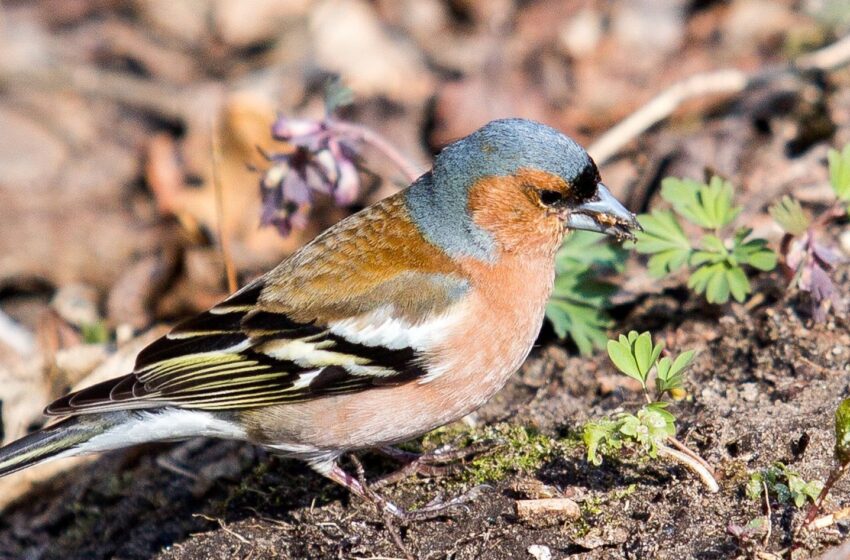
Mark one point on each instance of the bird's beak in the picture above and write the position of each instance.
(604, 214)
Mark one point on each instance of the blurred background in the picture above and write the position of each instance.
(119, 117)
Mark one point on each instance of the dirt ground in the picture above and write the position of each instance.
(107, 218)
(764, 388)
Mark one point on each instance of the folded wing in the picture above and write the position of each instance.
(335, 318)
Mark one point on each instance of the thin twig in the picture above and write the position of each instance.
(815, 508)
(719, 82)
(769, 513)
(686, 450)
(223, 526)
(696, 466)
(663, 105)
(223, 241)
(830, 519)
(830, 57)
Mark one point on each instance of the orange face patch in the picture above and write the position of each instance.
(511, 210)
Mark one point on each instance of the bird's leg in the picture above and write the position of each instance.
(360, 487)
(441, 462)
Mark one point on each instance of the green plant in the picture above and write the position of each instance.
(716, 261)
(784, 483)
(841, 452)
(518, 449)
(839, 172)
(581, 296)
(806, 260)
(95, 333)
(652, 427)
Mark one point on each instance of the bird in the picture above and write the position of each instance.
(399, 319)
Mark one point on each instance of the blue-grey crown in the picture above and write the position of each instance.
(437, 201)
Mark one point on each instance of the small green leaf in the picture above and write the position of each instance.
(664, 367)
(594, 435)
(839, 172)
(784, 483)
(95, 333)
(682, 361)
(702, 257)
(660, 408)
(643, 353)
(586, 325)
(337, 95)
(664, 239)
(739, 285)
(713, 244)
(656, 351)
(656, 424)
(670, 373)
(629, 425)
(708, 206)
(624, 360)
(754, 486)
(789, 215)
(842, 432)
(711, 280)
(579, 302)
(717, 290)
(700, 277)
(762, 260)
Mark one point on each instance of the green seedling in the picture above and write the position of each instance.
(842, 457)
(716, 261)
(806, 260)
(581, 296)
(784, 483)
(652, 429)
(757, 528)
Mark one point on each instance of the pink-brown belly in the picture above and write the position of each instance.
(479, 357)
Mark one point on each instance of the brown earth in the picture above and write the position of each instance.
(763, 389)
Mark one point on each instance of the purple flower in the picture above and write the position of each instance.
(322, 160)
(812, 263)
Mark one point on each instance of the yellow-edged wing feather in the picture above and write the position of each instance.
(270, 343)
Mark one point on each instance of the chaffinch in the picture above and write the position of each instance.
(397, 320)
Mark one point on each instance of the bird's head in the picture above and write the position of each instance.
(514, 184)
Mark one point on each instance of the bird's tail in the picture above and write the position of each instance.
(105, 431)
(63, 439)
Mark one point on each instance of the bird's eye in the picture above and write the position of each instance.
(550, 198)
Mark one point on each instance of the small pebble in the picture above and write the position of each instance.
(540, 552)
(749, 392)
(547, 509)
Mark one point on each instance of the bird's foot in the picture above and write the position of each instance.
(435, 508)
(435, 464)
(391, 512)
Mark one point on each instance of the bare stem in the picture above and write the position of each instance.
(685, 449)
(720, 82)
(815, 508)
(830, 518)
(223, 237)
(380, 143)
(697, 466)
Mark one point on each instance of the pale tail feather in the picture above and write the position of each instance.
(92, 433)
(63, 439)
